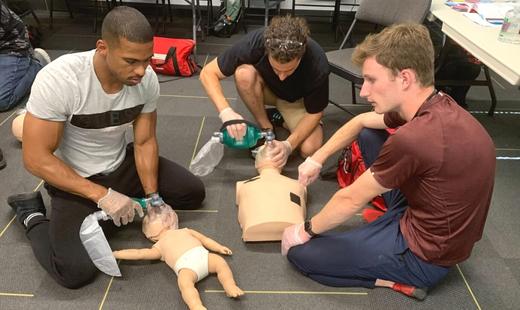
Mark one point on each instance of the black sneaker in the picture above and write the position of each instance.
(2, 160)
(275, 117)
(26, 204)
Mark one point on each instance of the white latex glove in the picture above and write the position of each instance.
(279, 151)
(292, 236)
(119, 207)
(236, 131)
(308, 171)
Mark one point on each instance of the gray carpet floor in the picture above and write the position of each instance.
(489, 279)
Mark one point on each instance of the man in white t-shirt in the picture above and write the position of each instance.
(74, 138)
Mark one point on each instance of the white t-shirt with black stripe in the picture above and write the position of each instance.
(68, 90)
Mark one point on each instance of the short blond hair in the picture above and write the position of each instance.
(399, 47)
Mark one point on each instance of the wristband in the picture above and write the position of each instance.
(224, 111)
(155, 199)
(313, 162)
(307, 226)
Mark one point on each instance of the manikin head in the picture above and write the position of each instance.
(126, 45)
(263, 160)
(157, 220)
(393, 61)
(285, 41)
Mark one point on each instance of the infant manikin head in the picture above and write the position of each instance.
(263, 159)
(157, 220)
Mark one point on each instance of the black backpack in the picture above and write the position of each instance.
(225, 26)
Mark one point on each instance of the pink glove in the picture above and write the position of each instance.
(119, 207)
(279, 152)
(308, 171)
(236, 131)
(293, 235)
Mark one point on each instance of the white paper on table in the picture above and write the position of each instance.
(493, 10)
(477, 19)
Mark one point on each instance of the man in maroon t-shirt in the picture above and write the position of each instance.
(436, 174)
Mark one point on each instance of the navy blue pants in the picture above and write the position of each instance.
(373, 251)
(18, 74)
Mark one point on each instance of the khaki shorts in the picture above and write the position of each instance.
(292, 112)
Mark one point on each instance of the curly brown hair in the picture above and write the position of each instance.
(285, 38)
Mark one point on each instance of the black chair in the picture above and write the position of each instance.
(442, 81)
(378, 12)
(333, 4)
(51, 10)
(23, 9)
(268, 5)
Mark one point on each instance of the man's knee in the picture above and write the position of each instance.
(198, 195)
(310, 145)
(246, 77)
(297, 257)
(367, 135)
(6, 100)
(193, 199)
(75, 276)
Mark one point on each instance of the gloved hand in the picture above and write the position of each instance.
(236, 131)
(308, 171)
(119, 207)
(279, 151)
(292, 236)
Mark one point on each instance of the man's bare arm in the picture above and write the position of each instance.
(348, 133)
(210, 77)
(40, 139)
(146, 151)
(347, 202)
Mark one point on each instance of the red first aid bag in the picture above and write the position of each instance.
(173, 56)
(351, 166)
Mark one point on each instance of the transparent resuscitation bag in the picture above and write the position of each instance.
(208, 157)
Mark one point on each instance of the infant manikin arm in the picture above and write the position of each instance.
(210, 244)
(138, 254)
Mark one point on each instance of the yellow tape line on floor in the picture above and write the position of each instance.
(198, 139)
(469, 288)
(106, 293)
(16, 294)
(295, 292)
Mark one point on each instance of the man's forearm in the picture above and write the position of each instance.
(341, 207)
(58, 174)
(343, 137)
(147, 164)
(210, 80)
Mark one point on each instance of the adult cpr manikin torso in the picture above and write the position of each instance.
(268, 203)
